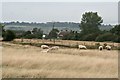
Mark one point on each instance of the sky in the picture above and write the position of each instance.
(33, 11)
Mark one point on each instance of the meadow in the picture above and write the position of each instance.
(21, 61)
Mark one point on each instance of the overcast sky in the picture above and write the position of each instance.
(58, 11)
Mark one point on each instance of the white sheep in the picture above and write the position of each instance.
(100, 47)
(82, 47)
(44, 47)
(45, 51)
(54, 48)
(108, 47)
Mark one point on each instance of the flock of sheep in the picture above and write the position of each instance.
(106, 47)
(100, 47)
(47, 48)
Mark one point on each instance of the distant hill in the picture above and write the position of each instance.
(46, 27)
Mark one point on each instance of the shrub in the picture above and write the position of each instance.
(89, 37)
(106, 37)
(117, 39)
(8, 35)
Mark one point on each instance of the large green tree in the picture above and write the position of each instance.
(90, 22)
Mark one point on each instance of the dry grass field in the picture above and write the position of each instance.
(30, 62)
(66, 42)
(0, 60)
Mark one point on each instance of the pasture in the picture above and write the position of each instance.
(30, 62)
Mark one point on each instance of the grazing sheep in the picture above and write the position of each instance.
(54, 48)
(45, 51)
(44, 47)
(108, 47)
(82, 47)
(100, 47)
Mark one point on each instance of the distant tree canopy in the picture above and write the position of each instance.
(90, 22)
(89, 30)
(116, 30)
(72, 35)
(53, 33)
(35, 33)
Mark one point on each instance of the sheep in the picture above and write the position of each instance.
(100, 47)
(82, 47)
(54, 48)
(45, 51)
(44, 47)
(108, 47)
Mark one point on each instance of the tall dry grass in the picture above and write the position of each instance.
(67, 42)
(21, 61)
(0, 60)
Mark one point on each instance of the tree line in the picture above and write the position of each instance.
(88, 26)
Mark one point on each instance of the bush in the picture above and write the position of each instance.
(89, 37)
(117, 39)
(29, 36)
(106, 37)
(8, 35)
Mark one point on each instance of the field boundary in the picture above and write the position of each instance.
(65, 43)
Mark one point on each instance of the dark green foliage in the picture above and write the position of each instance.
(90, 22)
(112, 35)
(53, 33)
(89, 37)
(26, 33)
(117, 39)
(76, 35)
(72, 35)
(2, 31)
(35, 33)
(8, 35)
(18, 33)
(106, 37)
(29, 36)
(116, 30)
